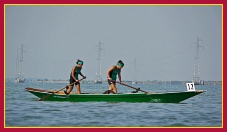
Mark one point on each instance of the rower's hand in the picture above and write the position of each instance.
(84, 77)
(110, 79)
(120, 82)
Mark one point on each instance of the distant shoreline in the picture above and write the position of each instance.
(153, 82)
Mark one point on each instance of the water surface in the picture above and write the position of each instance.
(23, 110)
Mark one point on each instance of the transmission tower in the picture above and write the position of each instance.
(196, 75)
(19, 65)
(98, 78)
(134, 73)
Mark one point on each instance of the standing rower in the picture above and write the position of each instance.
(112, 73)
(76, 70)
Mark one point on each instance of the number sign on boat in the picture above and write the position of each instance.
(190, 86)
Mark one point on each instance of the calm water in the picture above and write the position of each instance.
(23, 110)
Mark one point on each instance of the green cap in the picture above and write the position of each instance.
(80, 63)
(120, 64)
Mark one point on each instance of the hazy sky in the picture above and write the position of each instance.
(161, 38)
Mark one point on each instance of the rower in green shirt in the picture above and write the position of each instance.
(112, 73)
(74, 79)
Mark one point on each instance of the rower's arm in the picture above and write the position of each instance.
(119, 76)
(73, 71)
(108, 71)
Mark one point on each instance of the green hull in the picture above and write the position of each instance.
(167, 97)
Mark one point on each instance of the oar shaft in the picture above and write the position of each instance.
(128, 85)
(131, 87)
(43, 98)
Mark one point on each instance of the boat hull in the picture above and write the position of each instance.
(167, 97)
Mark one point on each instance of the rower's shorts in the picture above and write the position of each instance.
(71, 80)
(111, 82)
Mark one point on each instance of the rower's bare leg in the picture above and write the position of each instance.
(110, 88)
(78, 88)
(113, 87)
(70, 89)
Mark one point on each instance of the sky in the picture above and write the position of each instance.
(154, 42)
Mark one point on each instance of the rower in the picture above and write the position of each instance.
(112, 73)
(76, 70)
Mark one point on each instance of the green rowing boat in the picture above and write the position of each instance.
(165, 97)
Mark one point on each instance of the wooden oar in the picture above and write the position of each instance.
(137, 89)
(43, 98)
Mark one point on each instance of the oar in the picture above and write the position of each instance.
(43, 98)
(137, 89)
